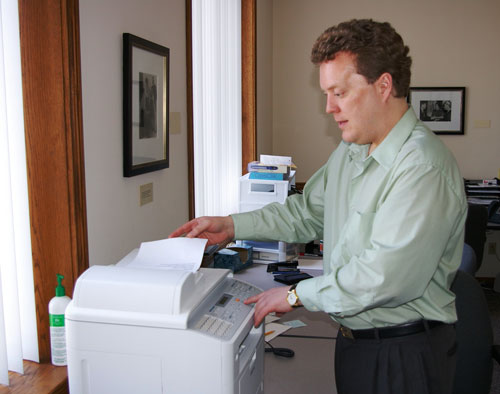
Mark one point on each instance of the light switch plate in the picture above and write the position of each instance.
(175, 123)
(145, 194)
(482, 124)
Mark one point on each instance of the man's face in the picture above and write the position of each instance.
(353, 102)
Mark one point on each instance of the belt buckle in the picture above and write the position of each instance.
(346, 332)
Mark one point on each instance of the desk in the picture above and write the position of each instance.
(311, 370)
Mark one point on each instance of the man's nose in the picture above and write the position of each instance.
(331, 106)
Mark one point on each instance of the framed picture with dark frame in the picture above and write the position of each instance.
(145, 106)
(441, 109)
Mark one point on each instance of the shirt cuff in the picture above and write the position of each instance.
(306, 291)
(243, 225)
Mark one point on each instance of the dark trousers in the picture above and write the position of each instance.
(422, 363)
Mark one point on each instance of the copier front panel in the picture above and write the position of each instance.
(218, 351)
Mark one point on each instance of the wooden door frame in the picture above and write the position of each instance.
(52, 100)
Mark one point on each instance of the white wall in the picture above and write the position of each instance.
(116, 222)
(452, 43)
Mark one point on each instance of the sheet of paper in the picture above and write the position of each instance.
(270, 159)
(294, 323)
(310, 264)
(173, 254)
(272, 330)
(270, 318)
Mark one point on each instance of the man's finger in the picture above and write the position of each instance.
(253, 299)
(181, 231)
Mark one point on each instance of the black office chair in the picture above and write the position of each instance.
(475, 230)
(476, 351)
(469, 260)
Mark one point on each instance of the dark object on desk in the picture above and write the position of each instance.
(485, 192)
(313, 249)
(208, 256)
(474, 337)
(285, 270)
(283, 266)
(475, 230)
(291, 278)
(235, 258)
(483, 189)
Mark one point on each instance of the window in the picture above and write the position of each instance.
(18, 337)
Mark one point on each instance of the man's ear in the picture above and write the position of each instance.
(384, 86)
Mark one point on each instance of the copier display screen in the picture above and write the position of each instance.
(223, 300)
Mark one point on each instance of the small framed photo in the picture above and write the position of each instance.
(145, 106)
(441, 109)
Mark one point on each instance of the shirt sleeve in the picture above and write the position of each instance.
(387, 257)
(299, 219)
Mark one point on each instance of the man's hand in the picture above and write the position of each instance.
(272, 300)
(217, 229)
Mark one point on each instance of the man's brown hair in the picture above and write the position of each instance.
(377, 47)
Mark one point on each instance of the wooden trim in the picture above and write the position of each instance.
(74, 135)
(38, 378)
(50, 61)
(189, 95)
(248, 82)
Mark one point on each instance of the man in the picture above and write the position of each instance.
(390, 207)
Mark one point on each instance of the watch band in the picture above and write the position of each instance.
(292, 297)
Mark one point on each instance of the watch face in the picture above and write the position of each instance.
(292, 299)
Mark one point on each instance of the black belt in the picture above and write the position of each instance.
(391, 332)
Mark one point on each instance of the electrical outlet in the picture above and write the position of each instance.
(492, 248)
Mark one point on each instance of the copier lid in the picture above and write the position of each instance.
(146, 297)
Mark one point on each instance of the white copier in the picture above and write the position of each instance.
(147, 331)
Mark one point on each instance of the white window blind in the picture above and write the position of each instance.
(18, 338)
(216, 36)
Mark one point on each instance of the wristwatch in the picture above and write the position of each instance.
(292, 297)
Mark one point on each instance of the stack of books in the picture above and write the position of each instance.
(274, 172)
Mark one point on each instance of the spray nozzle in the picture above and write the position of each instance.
(60, 292)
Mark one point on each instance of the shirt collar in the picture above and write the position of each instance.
(357, 152)
(386, 152)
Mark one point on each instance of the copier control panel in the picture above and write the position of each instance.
(225, 311)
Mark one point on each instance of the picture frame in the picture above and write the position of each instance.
(442, 109)
(145, 106)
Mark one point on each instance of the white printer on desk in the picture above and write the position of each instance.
(132, 330)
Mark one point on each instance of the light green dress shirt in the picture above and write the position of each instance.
(392, 225)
